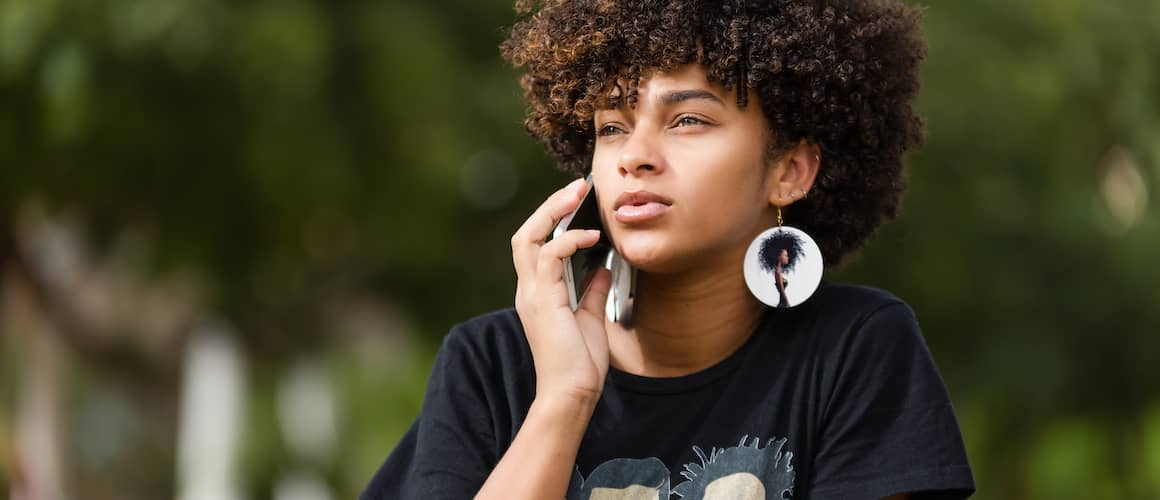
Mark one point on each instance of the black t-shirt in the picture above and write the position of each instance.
(836, 398)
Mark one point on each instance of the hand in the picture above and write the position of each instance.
(570, 349)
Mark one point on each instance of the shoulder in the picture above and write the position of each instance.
(885, 416)
(841, 318)
(851, 298)
(488, 341)
(853, 306)
(501, 323)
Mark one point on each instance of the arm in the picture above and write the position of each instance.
(569, 350)
(451, 450)
(540, 461)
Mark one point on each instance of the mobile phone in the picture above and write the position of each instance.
(622, 293)
(581, 267)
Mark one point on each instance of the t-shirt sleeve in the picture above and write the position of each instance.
(888, 426)
(449, 450)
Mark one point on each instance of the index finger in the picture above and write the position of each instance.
(538, 225)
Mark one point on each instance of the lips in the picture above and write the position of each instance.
(640, 206)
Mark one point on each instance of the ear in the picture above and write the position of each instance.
(792, 175)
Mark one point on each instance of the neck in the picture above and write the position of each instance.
(685, 322)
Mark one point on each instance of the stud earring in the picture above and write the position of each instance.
(783, 265)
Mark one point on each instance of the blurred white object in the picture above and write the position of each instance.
(1123, 187)
(307, 412)
(209, 430)
(38, 423)
(301, 486)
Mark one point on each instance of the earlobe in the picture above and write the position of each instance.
(778, 197)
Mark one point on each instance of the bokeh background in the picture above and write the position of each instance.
(232, 235)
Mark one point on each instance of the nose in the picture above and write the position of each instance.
(641, 154)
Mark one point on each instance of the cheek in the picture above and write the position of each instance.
(729, 195)
(604, 158)
(721, 222)
(604, 173)
(603, 180)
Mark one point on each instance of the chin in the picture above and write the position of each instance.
(655, 253)
(649, 257)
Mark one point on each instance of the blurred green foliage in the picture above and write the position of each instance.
(296, 156)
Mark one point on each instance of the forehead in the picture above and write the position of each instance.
(686, 76)
(656, 83)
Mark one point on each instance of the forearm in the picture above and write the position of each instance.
(541, 458)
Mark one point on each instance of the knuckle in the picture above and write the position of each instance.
(548, 249)
(547, 257)
(559, 246)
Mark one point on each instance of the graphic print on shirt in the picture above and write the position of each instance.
(747, 472)
(744, 472)
(622, 479)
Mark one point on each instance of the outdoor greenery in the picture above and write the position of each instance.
(335, 184)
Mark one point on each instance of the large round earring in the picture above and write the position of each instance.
(783, 266)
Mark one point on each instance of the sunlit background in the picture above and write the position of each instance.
(232, 235)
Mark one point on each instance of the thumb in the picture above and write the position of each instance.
(597, 294)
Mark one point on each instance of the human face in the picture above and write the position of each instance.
(682, 178)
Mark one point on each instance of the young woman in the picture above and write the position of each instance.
(778, 254)
(703, 124)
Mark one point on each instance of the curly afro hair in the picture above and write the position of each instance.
(840, 74)
(771, 248)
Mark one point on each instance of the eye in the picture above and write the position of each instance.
(608, 130)
(688, 120)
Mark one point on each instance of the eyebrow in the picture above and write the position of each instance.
(678, 96)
